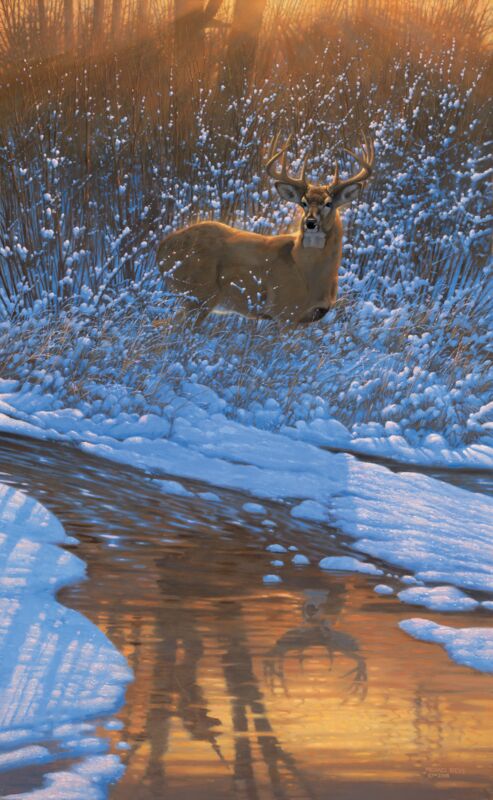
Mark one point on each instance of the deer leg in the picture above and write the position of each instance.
(195, 311)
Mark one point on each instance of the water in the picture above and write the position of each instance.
(245, 691)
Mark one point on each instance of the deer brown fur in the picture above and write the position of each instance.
(291, 277)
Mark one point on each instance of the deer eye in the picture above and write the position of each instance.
(328, 204)
(304, 204)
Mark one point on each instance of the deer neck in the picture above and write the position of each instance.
(313, 242)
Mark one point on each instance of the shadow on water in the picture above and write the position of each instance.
(305, 689)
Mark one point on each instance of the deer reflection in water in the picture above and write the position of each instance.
(177, 694)
(189, 623)
(317, 632)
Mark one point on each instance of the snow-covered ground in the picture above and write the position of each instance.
(401, 368)
(57, 669)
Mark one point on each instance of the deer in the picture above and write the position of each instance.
(292, 277)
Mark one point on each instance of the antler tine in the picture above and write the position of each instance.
(335, 179)
(303, 169)
(283, 174)
(284, 157)
(273, 145)
(365, 161)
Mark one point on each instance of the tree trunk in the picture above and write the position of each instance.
(116, 20)
(243, 41)
(185, 7)
(192, 18)
(98, 22)
(143, 17)
(186, 15)
(68, 24)
(42, 24)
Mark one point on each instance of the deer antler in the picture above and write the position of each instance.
(366, 161)
(283, 175)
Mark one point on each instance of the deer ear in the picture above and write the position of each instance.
(288, 192)
(346, 195)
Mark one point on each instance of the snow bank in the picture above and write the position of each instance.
(29, 411)
(57, 668)
(471, 647)
(439, 532)
(438, 598)
(86, 781)
(348, 564)
(381, 442)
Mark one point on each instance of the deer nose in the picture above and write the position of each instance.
(311, 223)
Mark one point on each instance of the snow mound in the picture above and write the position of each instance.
(86, 781)
(383, 589)
(57, 668)
(310, 509)
(471, 647)
(272, 578)
(438, 598)
(348, 564)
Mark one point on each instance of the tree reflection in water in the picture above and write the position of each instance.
(249, 712)
(208, 610)
(177, 693)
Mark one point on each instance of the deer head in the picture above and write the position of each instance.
(318, 202)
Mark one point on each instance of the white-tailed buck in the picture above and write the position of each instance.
(292, 277)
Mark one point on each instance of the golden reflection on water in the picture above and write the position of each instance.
(303, 690)
(255, 695)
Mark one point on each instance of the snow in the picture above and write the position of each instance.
(24, 755)
(348, 564)
(114, 725)
(85, 781)
(471, 647)
(383, 589)
(57, 668)
(310, 509)
(173, 487)
(276, 548)
(272, 578)
(434, 532)
(253, 508)
(410, 580)
(210, 497)
(411, 521)
(299, 560)
(438, 598)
